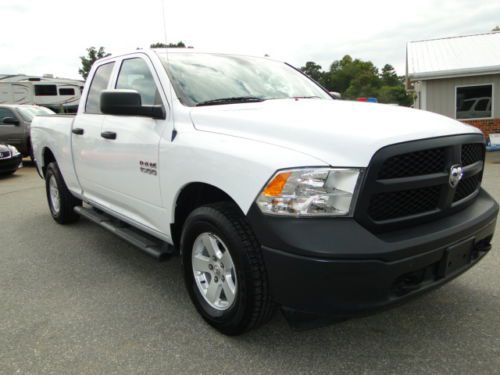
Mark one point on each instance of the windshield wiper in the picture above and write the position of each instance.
(231, 100)
(306, 97)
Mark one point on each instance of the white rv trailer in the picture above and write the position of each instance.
(58, 94)
(16, 93)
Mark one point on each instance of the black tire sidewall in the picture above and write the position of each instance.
(67, 202)
(52, 170)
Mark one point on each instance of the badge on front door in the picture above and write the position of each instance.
(148, 167)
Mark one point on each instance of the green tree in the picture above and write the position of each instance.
(395, 94)
(169, 45)
(389, 76)
(355, 78)
(365, 84)
(93, 55)
(314, 71)
(496, 29)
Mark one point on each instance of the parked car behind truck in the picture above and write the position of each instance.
(10, 159)
(273, 193)
(15, 121)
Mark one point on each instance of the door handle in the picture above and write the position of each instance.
(108, 135)
(78, 131)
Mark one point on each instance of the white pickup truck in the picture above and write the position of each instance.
(273, 193)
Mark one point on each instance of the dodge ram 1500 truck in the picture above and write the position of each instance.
(272, 192)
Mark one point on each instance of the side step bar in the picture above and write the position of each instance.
(152, 246)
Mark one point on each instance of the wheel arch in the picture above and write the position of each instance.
(47, 158)
(190, 197)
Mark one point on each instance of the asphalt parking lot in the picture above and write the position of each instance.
(77, 300)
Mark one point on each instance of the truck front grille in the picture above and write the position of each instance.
(409, 183)
(414, 164)
(472, 152)
(394, 204)
(467, 187)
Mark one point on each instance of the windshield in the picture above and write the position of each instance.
(28, 112)
(206, 78)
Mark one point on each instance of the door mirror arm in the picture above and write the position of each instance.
(154, 111)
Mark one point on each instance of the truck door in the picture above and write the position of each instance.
(86, 136)
(129, 148)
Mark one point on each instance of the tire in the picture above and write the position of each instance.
(61, 209)
(30, 154)
(225, 227)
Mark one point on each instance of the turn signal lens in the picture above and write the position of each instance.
(275, 187)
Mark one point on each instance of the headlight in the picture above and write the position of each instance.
(311, 192)
(14, 151)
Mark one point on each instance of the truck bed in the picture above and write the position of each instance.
(53, 132)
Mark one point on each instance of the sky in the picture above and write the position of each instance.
(48, 36)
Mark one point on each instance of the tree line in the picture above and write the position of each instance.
(352, 78)
(355, 78)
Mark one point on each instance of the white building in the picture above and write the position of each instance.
(458, 77)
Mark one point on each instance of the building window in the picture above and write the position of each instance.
(474, 102)
(66, 91)
(45, 90)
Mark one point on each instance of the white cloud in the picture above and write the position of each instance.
(49, 36)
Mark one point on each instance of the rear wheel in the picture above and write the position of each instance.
(61, 201)
(224, 270)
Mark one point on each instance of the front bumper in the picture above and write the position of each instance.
(11, 164)
(336, 267)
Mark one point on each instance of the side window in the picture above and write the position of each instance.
(66, 91)
(45, 90)
(135, 75)
(99, 83)
(4, 113)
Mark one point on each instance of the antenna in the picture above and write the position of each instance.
(164, 19)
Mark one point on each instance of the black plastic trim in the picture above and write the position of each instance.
(345, 238)
(346, 288)
(372, 184)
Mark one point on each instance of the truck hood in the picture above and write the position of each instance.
(339, 133)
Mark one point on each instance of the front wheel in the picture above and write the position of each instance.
(61, 201)
(224, 270)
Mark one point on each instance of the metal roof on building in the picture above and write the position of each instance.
(453, 57)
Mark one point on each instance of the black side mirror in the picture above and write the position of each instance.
(129, 103)
(11, 121)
